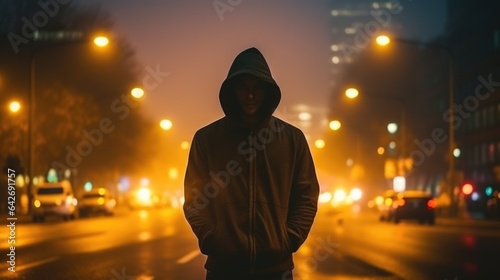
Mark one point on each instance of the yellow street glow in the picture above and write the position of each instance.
(185, 145)
(137, 92)
(339, 195)
(351, 93)
(165, 124)
(320, 143)
(335, 125)
(305, 116)
(144, 194)
(325, 197)
(101, 41)
(14, 106)
(383, 40)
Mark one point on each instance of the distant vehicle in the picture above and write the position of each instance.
(55, 199)
(145, 198)
(97, 201)
(408, 205)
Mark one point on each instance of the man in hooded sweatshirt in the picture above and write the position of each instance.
(250, 187)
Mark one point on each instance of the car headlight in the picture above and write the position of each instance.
(144, 195)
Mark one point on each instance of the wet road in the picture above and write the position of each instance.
(158, 244)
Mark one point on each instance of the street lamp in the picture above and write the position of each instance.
(351, 93)
(335, 125)
(166, 124)
(137, 93)
(14, 106)
(101, 42)
(384, 40)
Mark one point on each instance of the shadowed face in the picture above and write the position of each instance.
(250, 94)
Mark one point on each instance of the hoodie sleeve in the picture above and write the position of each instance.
(196, 205)
(304, 196)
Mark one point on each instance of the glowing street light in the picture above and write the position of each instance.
(351, 93)
(14, 106)
(383, 40)
(320, 143)
(451, 99)
(335, 125)
(137, 92)
(185, 145)
(166, 124)
(100, 41)
(392, 128)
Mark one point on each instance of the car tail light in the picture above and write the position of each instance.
(431, 203)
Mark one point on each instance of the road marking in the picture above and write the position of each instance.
(188, 257)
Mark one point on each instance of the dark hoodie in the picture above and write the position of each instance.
(250, 192)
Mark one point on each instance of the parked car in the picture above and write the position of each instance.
(97, 201)
(55, 199)
(408, 205)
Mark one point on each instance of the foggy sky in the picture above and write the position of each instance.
(193, 46)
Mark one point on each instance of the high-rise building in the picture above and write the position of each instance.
(474, 38)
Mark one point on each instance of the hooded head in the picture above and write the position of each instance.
(252, 63)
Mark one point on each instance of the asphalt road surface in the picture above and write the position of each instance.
(158, 244)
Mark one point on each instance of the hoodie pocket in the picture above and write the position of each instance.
(223, 241)
(207, 242)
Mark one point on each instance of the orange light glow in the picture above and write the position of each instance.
(432, 203)
(320, 143)
(335, 125)
(14, 106)
(351, 93)
(383, 40)
(467, 189)
(101, 41)
(401, 202)
(388, 202)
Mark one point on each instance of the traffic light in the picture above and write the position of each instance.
(488, 190)
(467, 189)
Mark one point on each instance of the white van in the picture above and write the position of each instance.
(54, 199)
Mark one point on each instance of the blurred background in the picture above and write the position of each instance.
(426, 105)
(393, 96)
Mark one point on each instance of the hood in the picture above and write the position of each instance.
(252, 62)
